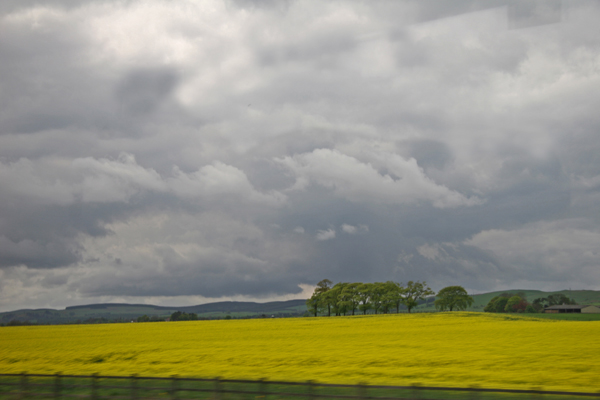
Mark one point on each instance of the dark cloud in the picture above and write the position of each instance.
(430, 153)
(142, 91)
(186, 281)
(436, 9)
(247, 150)
(253, 5)
(534, 13)
(9, 6)
(37, 254)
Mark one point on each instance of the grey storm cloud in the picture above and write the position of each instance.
(142, 91)
(185, 152)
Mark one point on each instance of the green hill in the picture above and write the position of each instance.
(116, 312)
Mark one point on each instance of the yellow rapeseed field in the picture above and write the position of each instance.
(450, 349)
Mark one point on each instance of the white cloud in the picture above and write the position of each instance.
(357, 181)
(106, 180)
(431, 252)
(326, 234)
(58, 181)
(351, 229)
(217, 180)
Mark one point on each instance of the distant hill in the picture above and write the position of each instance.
(119, 312)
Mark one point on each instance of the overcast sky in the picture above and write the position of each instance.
(177, 153)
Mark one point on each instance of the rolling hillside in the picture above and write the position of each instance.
(125, 312)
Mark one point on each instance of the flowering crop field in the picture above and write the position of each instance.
(442, 349)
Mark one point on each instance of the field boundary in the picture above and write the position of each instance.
(24, 385)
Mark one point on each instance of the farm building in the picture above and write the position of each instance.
(568, 308)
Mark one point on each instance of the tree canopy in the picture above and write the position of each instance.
(508, 302)
(317, 301)
(453, 298)
(380, 297)
(415, 291)
(183, 316)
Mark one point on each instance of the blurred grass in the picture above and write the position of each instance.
(565, 316)
(140, 387)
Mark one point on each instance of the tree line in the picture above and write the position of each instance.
(381, 297)
(176, 316)
(509, 302)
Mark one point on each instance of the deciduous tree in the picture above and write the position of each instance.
(364, 295)
(314, 304)
(349, 297)
(318, 301)
(334, 298)
(414, 292)
(453, 298)
(392, 296)
(559, 298)
(377, 292)
(515, 304)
